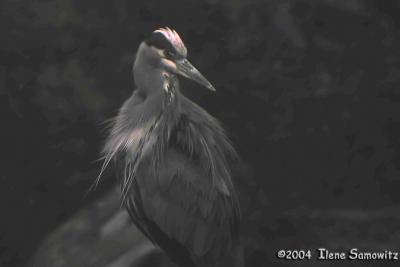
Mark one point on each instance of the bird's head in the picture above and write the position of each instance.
(165, 50)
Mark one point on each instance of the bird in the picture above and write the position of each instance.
(174, 160)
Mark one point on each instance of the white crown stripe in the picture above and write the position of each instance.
(173, 37)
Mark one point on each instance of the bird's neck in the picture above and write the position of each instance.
(170, 106)
(157, 83)
(160, 123)
(162, 107)
(148, 79)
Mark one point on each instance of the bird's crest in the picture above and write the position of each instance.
(174, 38)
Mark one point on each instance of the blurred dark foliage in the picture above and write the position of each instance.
(307, 89)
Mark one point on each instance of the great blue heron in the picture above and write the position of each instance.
(174, 159)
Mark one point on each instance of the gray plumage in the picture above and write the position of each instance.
(173, 159)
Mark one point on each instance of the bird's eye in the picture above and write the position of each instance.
(170, 54)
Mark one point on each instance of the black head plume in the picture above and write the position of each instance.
(167, 40)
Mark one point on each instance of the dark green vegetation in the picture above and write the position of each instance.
(307, 89)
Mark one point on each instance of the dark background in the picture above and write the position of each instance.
(307, 89)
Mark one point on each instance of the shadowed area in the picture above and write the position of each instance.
(307, 90)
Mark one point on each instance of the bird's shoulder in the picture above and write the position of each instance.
(197, 125)
(197, 114)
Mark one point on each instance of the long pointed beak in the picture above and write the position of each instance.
(186, 69)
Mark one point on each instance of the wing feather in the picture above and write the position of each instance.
(184, 205)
